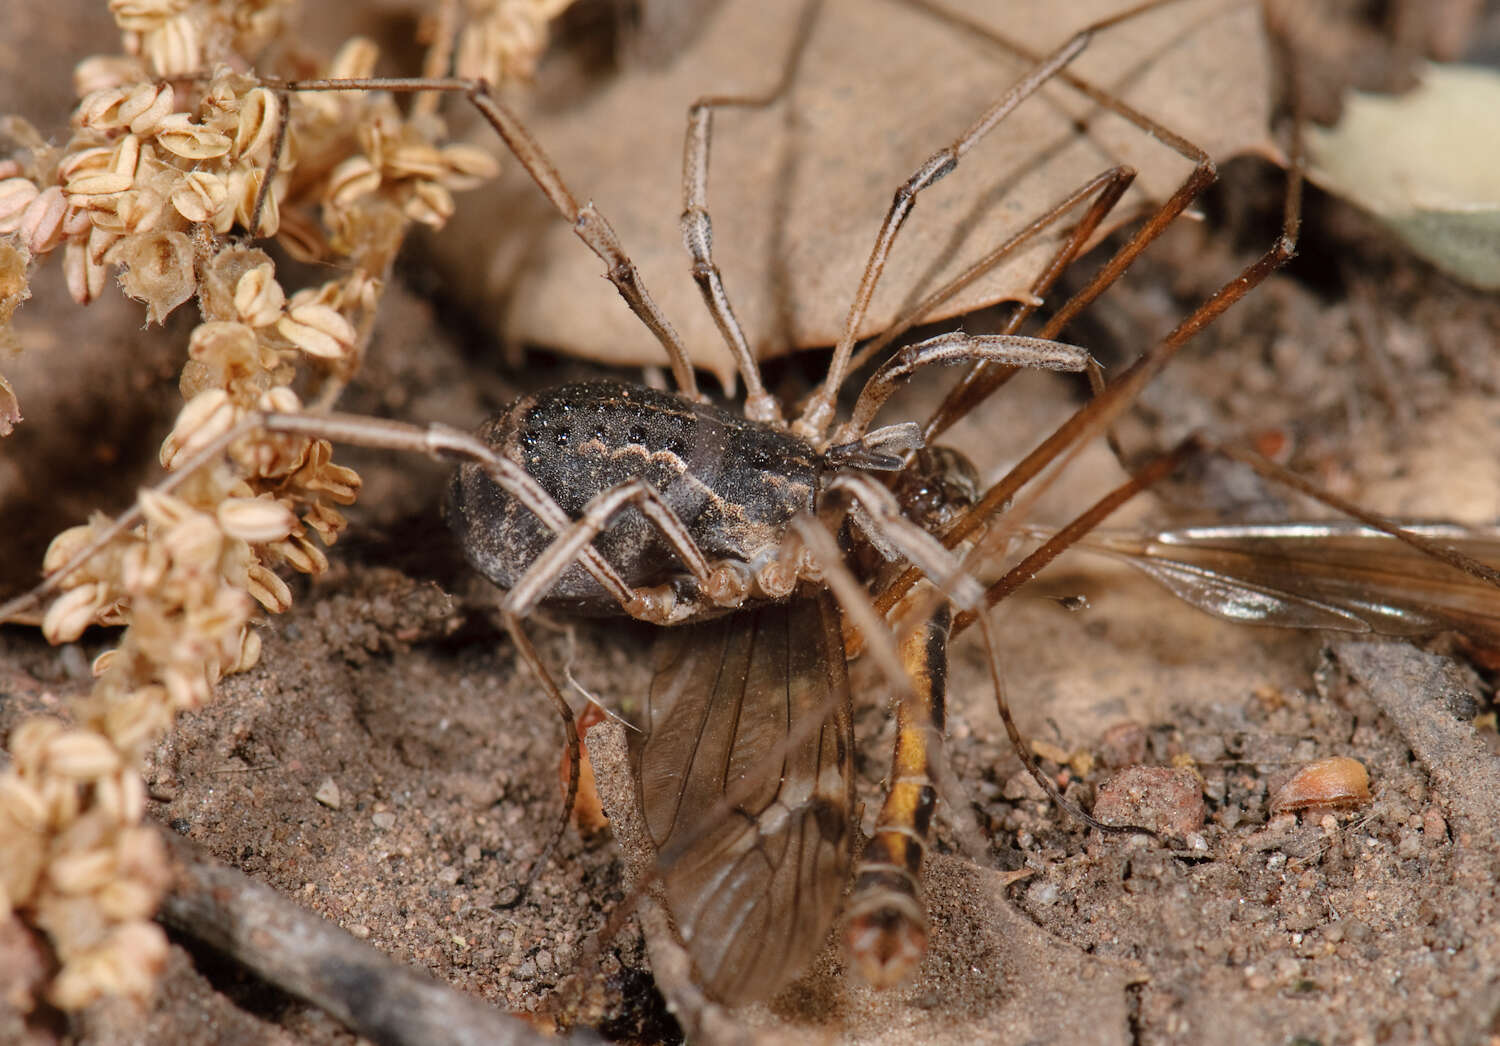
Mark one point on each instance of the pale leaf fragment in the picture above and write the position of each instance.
(1427, 164)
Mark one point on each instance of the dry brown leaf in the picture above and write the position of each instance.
(797, 192)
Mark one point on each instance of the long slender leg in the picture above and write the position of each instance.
(955, 347)
(570, 733)
(697, 228)
(436, 440)
(1105, 188)
(1099, 413)
(819, 409)
(570, 542)
(985, 378)
(590, 226)
(879, 515)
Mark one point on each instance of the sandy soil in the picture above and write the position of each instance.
(390, 680)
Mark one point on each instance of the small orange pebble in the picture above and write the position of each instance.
(588, 810)
(1339, 783)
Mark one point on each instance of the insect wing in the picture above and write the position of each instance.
(1338, 576)
(753, 882)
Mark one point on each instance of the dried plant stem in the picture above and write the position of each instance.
(307, 956)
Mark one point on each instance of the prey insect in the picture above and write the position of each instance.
(676, 512)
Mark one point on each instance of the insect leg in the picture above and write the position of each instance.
(533, 659)
(1109, 186)
(1095, 417)
(983, 379)
(818, 411)
(435, 440)
(590, 226)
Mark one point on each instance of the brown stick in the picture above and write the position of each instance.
(307, 956)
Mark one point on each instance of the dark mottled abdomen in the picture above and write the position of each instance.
(735, 483)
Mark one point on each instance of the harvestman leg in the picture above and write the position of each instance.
(697, 228)
(818, 411)
(590, 226)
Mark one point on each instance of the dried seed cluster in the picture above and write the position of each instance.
(173, 147)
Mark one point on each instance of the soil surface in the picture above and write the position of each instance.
(390, 766)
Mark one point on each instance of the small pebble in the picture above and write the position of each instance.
(1434, 828)
(1123, 744)
(1042, 894)
(384, 820)
(360, 930)
(328, 794)
(1021, 785)
(1161, 798)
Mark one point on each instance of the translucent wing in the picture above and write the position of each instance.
(1331, 575)
(753, 884)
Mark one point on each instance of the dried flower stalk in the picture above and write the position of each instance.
(162, 164)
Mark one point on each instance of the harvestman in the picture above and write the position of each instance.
(748, 531)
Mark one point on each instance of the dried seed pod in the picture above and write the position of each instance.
(84, 275)
(81, 162)
(126, 899)
(256, 520)
(181, 137)
(101, 72)
(82, 754)
(201, 196)
(73, 612)
(258, 298)
(267, 589)
(41, 225)
(175, 49)
(65, 546)
(147, 105)
(249, 651)
(158, 271)
(466, 166)
(318, 330)
(141, 16)
(100, 109)
(430, 203)
(415, 160)
(355, 60)
(121, 796)
(258, 120)
(22, 803)
(244, 190)
(81, 873)
(350, 180)
(126, 155)
(101, 183)
(16, 195)
(137, 210)
(1338, 783)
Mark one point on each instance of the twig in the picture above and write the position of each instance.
(307, 956)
